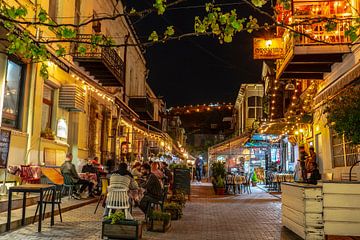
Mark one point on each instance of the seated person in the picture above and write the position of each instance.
(153, 191)
(156, 171)
(136, 170)
(68, 168)
(123, 179)
(89, 168)
(314, 173)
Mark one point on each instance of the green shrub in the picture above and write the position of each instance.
(116, 217)
(159, 215)
(254, 178)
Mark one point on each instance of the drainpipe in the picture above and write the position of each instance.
(125, 61)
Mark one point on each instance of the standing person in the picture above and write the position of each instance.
(198, 168)
(152, 186)
(68, 168)
(303, 156)
(314, 173)
(311, 158)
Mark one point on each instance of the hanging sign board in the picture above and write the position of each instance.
(268, 48)
(4, 147)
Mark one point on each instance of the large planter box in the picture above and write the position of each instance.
(127, 229)
(159, 225)
(220, 191)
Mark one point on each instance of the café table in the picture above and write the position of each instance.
(31, 188)
(91, 177)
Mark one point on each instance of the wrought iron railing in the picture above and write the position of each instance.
(108, 56)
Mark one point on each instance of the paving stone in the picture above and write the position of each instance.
(206, 217)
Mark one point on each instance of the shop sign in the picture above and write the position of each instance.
(268, 48)
(62, 129)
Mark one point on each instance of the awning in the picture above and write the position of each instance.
(230, 146)
(336, 86)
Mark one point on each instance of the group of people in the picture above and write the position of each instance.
(143, 181)
(307, 168)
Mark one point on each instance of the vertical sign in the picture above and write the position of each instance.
(4, 147)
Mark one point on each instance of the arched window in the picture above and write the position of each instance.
(255, 107)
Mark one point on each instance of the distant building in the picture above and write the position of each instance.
(248, 107)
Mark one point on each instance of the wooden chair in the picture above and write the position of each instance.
(104, 186)
(230, 184)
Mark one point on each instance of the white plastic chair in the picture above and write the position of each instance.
(118, 199)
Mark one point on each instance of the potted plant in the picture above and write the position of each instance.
(159, 221)
(220, 186)
(218, 177)
(254, 179)
(178, 197)
(175, 209)
(48, 134)
(116, 226)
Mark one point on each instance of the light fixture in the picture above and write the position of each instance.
(290, 87)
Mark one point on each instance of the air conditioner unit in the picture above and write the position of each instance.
(72, 98)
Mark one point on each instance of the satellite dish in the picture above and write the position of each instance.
(290, 87)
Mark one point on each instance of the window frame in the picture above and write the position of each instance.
(20, 104)
(50, 104)
(256, 107)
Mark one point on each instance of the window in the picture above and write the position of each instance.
(343, 152)
(255, 107)
(52, 11)
(48, 96)
(13, 87)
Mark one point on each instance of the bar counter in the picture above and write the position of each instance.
(315, 211)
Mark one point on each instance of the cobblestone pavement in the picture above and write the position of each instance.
(206, 217)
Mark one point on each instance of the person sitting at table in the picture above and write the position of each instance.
(156, 171)
(153, 190)
(68, 168)
(123, 179)
(136, 170)
(89, 168)
(167, 173)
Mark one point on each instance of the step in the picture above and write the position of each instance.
(66, 205)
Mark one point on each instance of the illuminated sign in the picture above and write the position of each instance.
(268, 48)
(62, 129)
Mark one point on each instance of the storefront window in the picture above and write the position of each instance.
(255, 107)
(12, 95)
(47, 107)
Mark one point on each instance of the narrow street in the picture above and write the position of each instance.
(206, 217)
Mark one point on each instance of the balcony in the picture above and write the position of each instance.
(103, 63)
(143, 107)
(311, 57)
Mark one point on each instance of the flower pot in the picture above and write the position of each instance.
(220, 191)
(126, 229)
(159, 225)
(253, 184)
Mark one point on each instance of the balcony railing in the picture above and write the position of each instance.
(316, 33)
(107, 55)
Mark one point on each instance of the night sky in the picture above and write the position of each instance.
(197, 70)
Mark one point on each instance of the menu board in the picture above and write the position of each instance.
(4, 147)
(182, 180)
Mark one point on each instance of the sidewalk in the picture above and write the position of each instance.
(206, 217)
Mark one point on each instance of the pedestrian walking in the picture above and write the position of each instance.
(199, 163)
